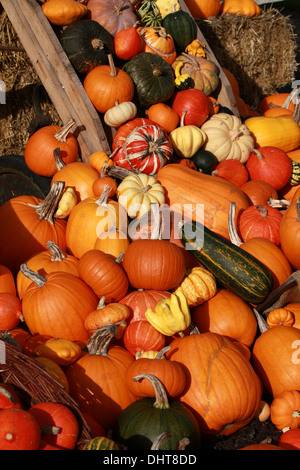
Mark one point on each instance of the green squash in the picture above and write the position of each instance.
(87, 44)
(100, 443)
(142, 421)
(182, 27)
(205, 161)
(153, 78)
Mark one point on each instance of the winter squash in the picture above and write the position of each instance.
(61, 350)
(104, 274)
(103, 182)
(204, 72)
(204, 356)
(128, 43)
(106, 84)
(10, 311)
(57, 304)
(289, 231)
(98, 378)
(290, 440)
(158, 41)
(227, 137)
(141, 336)
(152, 77)
(233, 171)
(246, 8)
(53, 369)
(27, 224)
(9, 397)
(228, 315)
(163, 115)
(195, 103)
(87, 44)
(120, 113)
(261, 221)
(186, 188)
(203, 8)
(259, 192)
(40, 146)
(274, 101)
(199, 285)
(138, 432)
(271, 165)
(138, 301)
(63, 12)
(7, 281)
(285, 410)
(137, 192)
(182, 27)
(19, 430)
(294, 308)
(281, 132)
(51, 259)
(111, 313)
(186, 139)
(205, 161)
(100, 443)
(91, 217)
(115, 15)
(61, 419)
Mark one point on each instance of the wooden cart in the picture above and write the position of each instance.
(61, 82)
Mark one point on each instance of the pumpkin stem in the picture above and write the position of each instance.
(118, 172)
(57, 160)
(233, 235)
(101, 303)
(161, 398)
(160, 354)
(62, 134)
(182, 118)
(7, 394)
(298, 209)
(97, 44)
(194, 330)
(278, 203)
(56, 252)
(113, 70)
(183, 443)
(158, 440)
(47, 207)
(262, 324)
(50, 430)
(103, 199)
(32, 275)
(258, 154)
(119, 258)
(263, 211)
(192, 59)
(100, 340)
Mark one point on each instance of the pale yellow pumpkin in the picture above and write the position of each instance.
(120, 113)
(186, 139)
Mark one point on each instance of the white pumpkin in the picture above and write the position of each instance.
(120, 113)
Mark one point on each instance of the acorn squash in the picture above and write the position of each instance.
(182, 27)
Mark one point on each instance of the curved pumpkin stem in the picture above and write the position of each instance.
(262, 324)
(233, 235)
(62, 134)
(100, 340)
(159, 439)
(32, 275)
(161, 398)
(56, 252)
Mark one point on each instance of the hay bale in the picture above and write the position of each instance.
(259, 51)
(20, 78)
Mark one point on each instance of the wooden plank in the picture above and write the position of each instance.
(57, 74)
(225, 96)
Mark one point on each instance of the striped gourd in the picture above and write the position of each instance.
(233, 267)
(295, 176)
(100, 443)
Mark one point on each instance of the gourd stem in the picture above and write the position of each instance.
(101, 302)
(183, 443)
(278, 203)
(32, 275)
(258, 154)
(47, 207)
(48, 430)
(160, 354)
(118, 172)
(192, 59)
(57, 160)
(103, 199)
(182, 118)
(262, 324)
(158, 440)
(100, 340)
(62, 134)
(113, 70)
(194, 330)
(263, 211)
(97, 44)
(161, 398)
(233, 235)
(56, 252)
(146, 188)
(119, 258)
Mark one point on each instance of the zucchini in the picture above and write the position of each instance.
(233, 268)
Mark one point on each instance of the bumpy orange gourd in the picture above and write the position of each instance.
(63, 12)
(198, 286)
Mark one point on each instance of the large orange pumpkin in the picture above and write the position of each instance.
(7, 282)
(290, 231)
(203, 8)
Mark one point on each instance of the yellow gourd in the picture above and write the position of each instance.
(62, 351)
(186, 140)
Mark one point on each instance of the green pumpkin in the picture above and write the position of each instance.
(182, 27)
(153, 78)
(205, 161)
(100, 443)
(87, 44)
(141, 422)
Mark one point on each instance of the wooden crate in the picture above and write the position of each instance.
(61, 82)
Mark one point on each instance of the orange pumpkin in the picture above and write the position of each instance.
(285, 410)
(163, 115)
(259, 192)
(294, 307)
(112, 242)
(203, 8)
(138, 301)
(290, 231)
(158, 41)
(7, 282)
(280, 316)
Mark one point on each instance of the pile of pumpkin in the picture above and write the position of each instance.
(136, 283)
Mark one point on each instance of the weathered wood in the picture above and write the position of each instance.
(57, 74)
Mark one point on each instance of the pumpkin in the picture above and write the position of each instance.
(203, 72)
(104, 274)
(205, 161)
(61, 419)
(19, 430)
(158, 41)
(246, 8)
(232, 81)
(289, 440)
(294, 308)
(63, 12)
(61, 350)
(51, 259)
(233, 171)
(87, 44)
(261, 446)
(170, 373)
(106, 84)
(186, 189)
(271, 165)
(280, 316)
(27, 224)
(281, 132)
(114, 15)
(259, 192)
(120, 113)
(182, 27)
(98, 378)
(57, 304)
(227, 137)
(140, 423)
(212, 359)
(285, 410)
(7, 281)
(9, 397)
(128, 43)
(186, 139)
(10, 311)
(91, 217)
(228, 315)
(261, 221)
(138, 301)
(203, 8)
(152, 77)
(163, 115)
(194, 103)
(104, 182)
(198, 286)
(141, 336)
(100, 161)
(137, 192)
(289, 231)
(39, 148)
(112, 242)
(112, 313)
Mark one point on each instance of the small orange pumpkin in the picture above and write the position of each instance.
(285, 410)
(158, 41)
